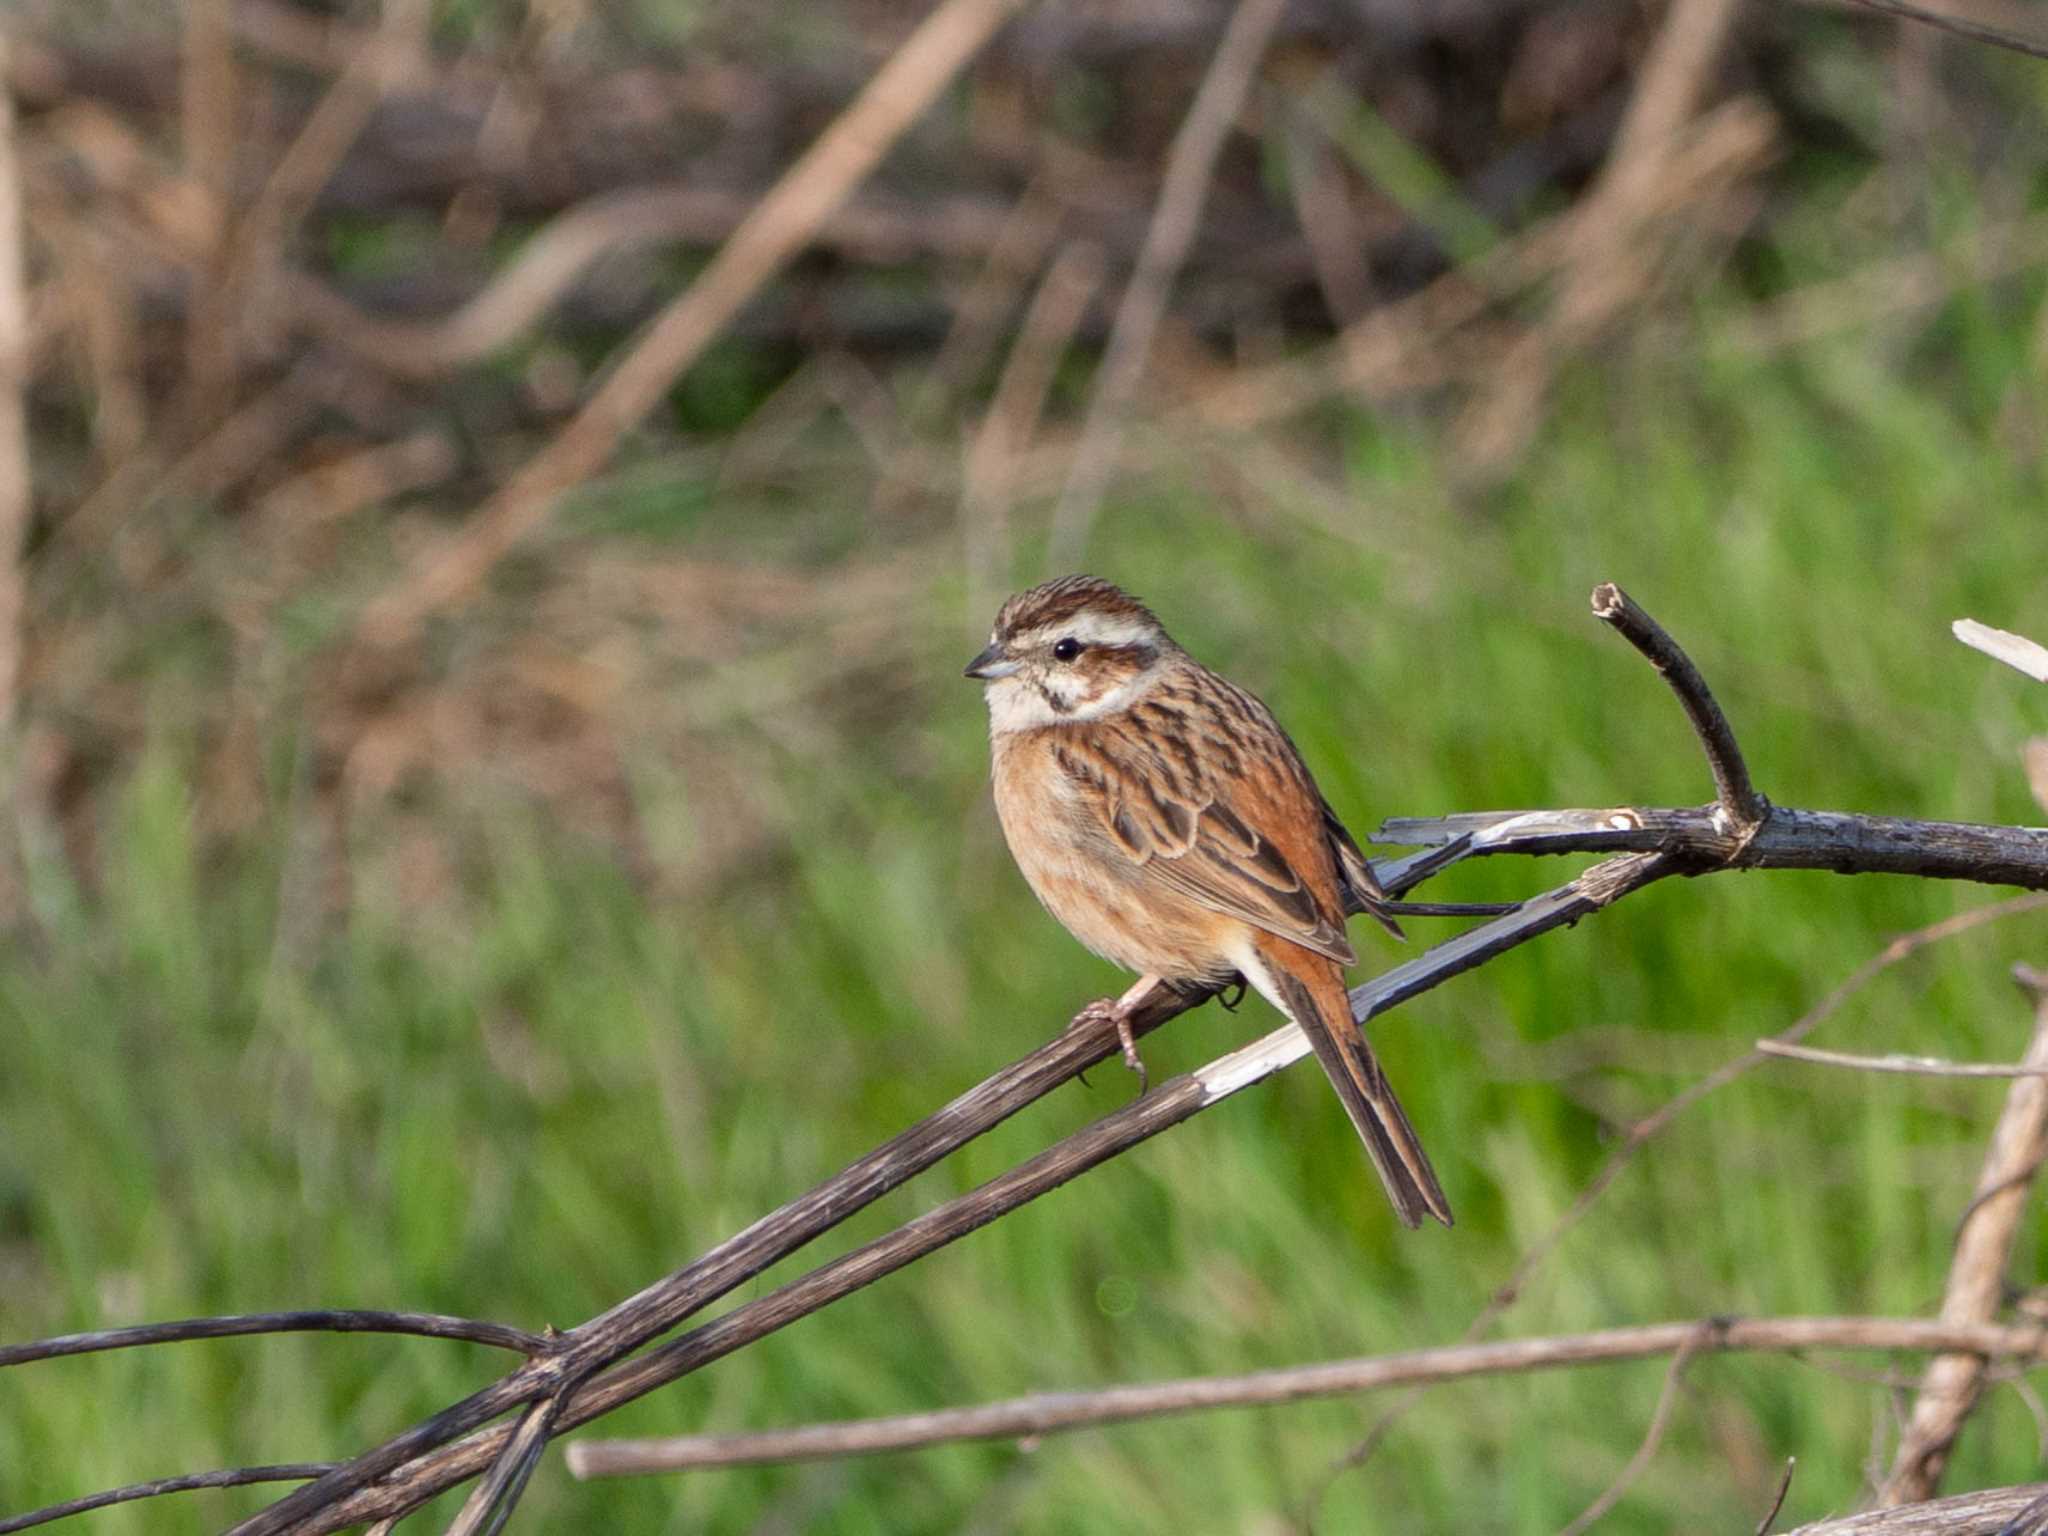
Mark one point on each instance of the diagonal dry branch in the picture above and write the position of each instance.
(1189, 169)
(1961, 26)
(766, 241)
(594, 1368)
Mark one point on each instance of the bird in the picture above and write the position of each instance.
(1165, 818)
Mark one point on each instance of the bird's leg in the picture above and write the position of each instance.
(1116, 1012)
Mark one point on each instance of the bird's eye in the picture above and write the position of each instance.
(1067, 649)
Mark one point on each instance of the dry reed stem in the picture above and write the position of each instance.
(1893, 286)
(1961, 26)
(1190, 166)
(1322, 207)
(15, 485)
(1050, 1413)
(208, 104)
(781, 225)
(1412, 345)
(1905, 1066)
(266, 229)
(565, 247)
(1976, 1277)
(1054, 314)
(1612, 261)
(1027, 235)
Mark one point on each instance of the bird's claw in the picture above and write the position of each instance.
(1105, 1011)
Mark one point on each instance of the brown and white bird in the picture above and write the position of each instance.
(1161, 813)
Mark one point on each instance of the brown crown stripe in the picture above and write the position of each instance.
(1057, 601)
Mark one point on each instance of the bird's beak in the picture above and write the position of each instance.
(991, 664)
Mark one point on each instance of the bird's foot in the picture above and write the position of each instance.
(1116, 1013)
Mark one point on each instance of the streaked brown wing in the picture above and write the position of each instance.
(1238, 830)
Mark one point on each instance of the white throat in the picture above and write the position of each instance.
(1017, 705)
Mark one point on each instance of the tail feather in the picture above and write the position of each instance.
(1361, 887)
(1367, 1097)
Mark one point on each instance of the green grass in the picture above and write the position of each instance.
(529, 1103)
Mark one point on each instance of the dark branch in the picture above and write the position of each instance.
(226, 1477)
(422, 1324)
(1732, 787)
(1770, 1515)
(1843, 843)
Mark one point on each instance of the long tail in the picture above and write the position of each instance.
(1311, 993)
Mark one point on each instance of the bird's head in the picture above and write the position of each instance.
(1073, 649)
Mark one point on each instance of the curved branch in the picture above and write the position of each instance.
(1732, 786)
(226, 1477)
(431, 1325)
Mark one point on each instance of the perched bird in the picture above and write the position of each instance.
(1161, 813)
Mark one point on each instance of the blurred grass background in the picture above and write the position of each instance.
(494, 1011)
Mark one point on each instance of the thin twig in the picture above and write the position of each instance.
(561, 250)
(1052, 1412)
(1653, 1437)
(1190, 165)
(209, 102)
(1909, 1066)
(778, 228)
(1960, 26)
(1055, 312)
(226, 1477)
(1763, 1526)
(1612, 261)
(1732, 786)
(419, 1324)
(15, 485)
(1976, 1277)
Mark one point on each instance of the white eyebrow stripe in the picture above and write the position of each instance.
(1108, 629)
